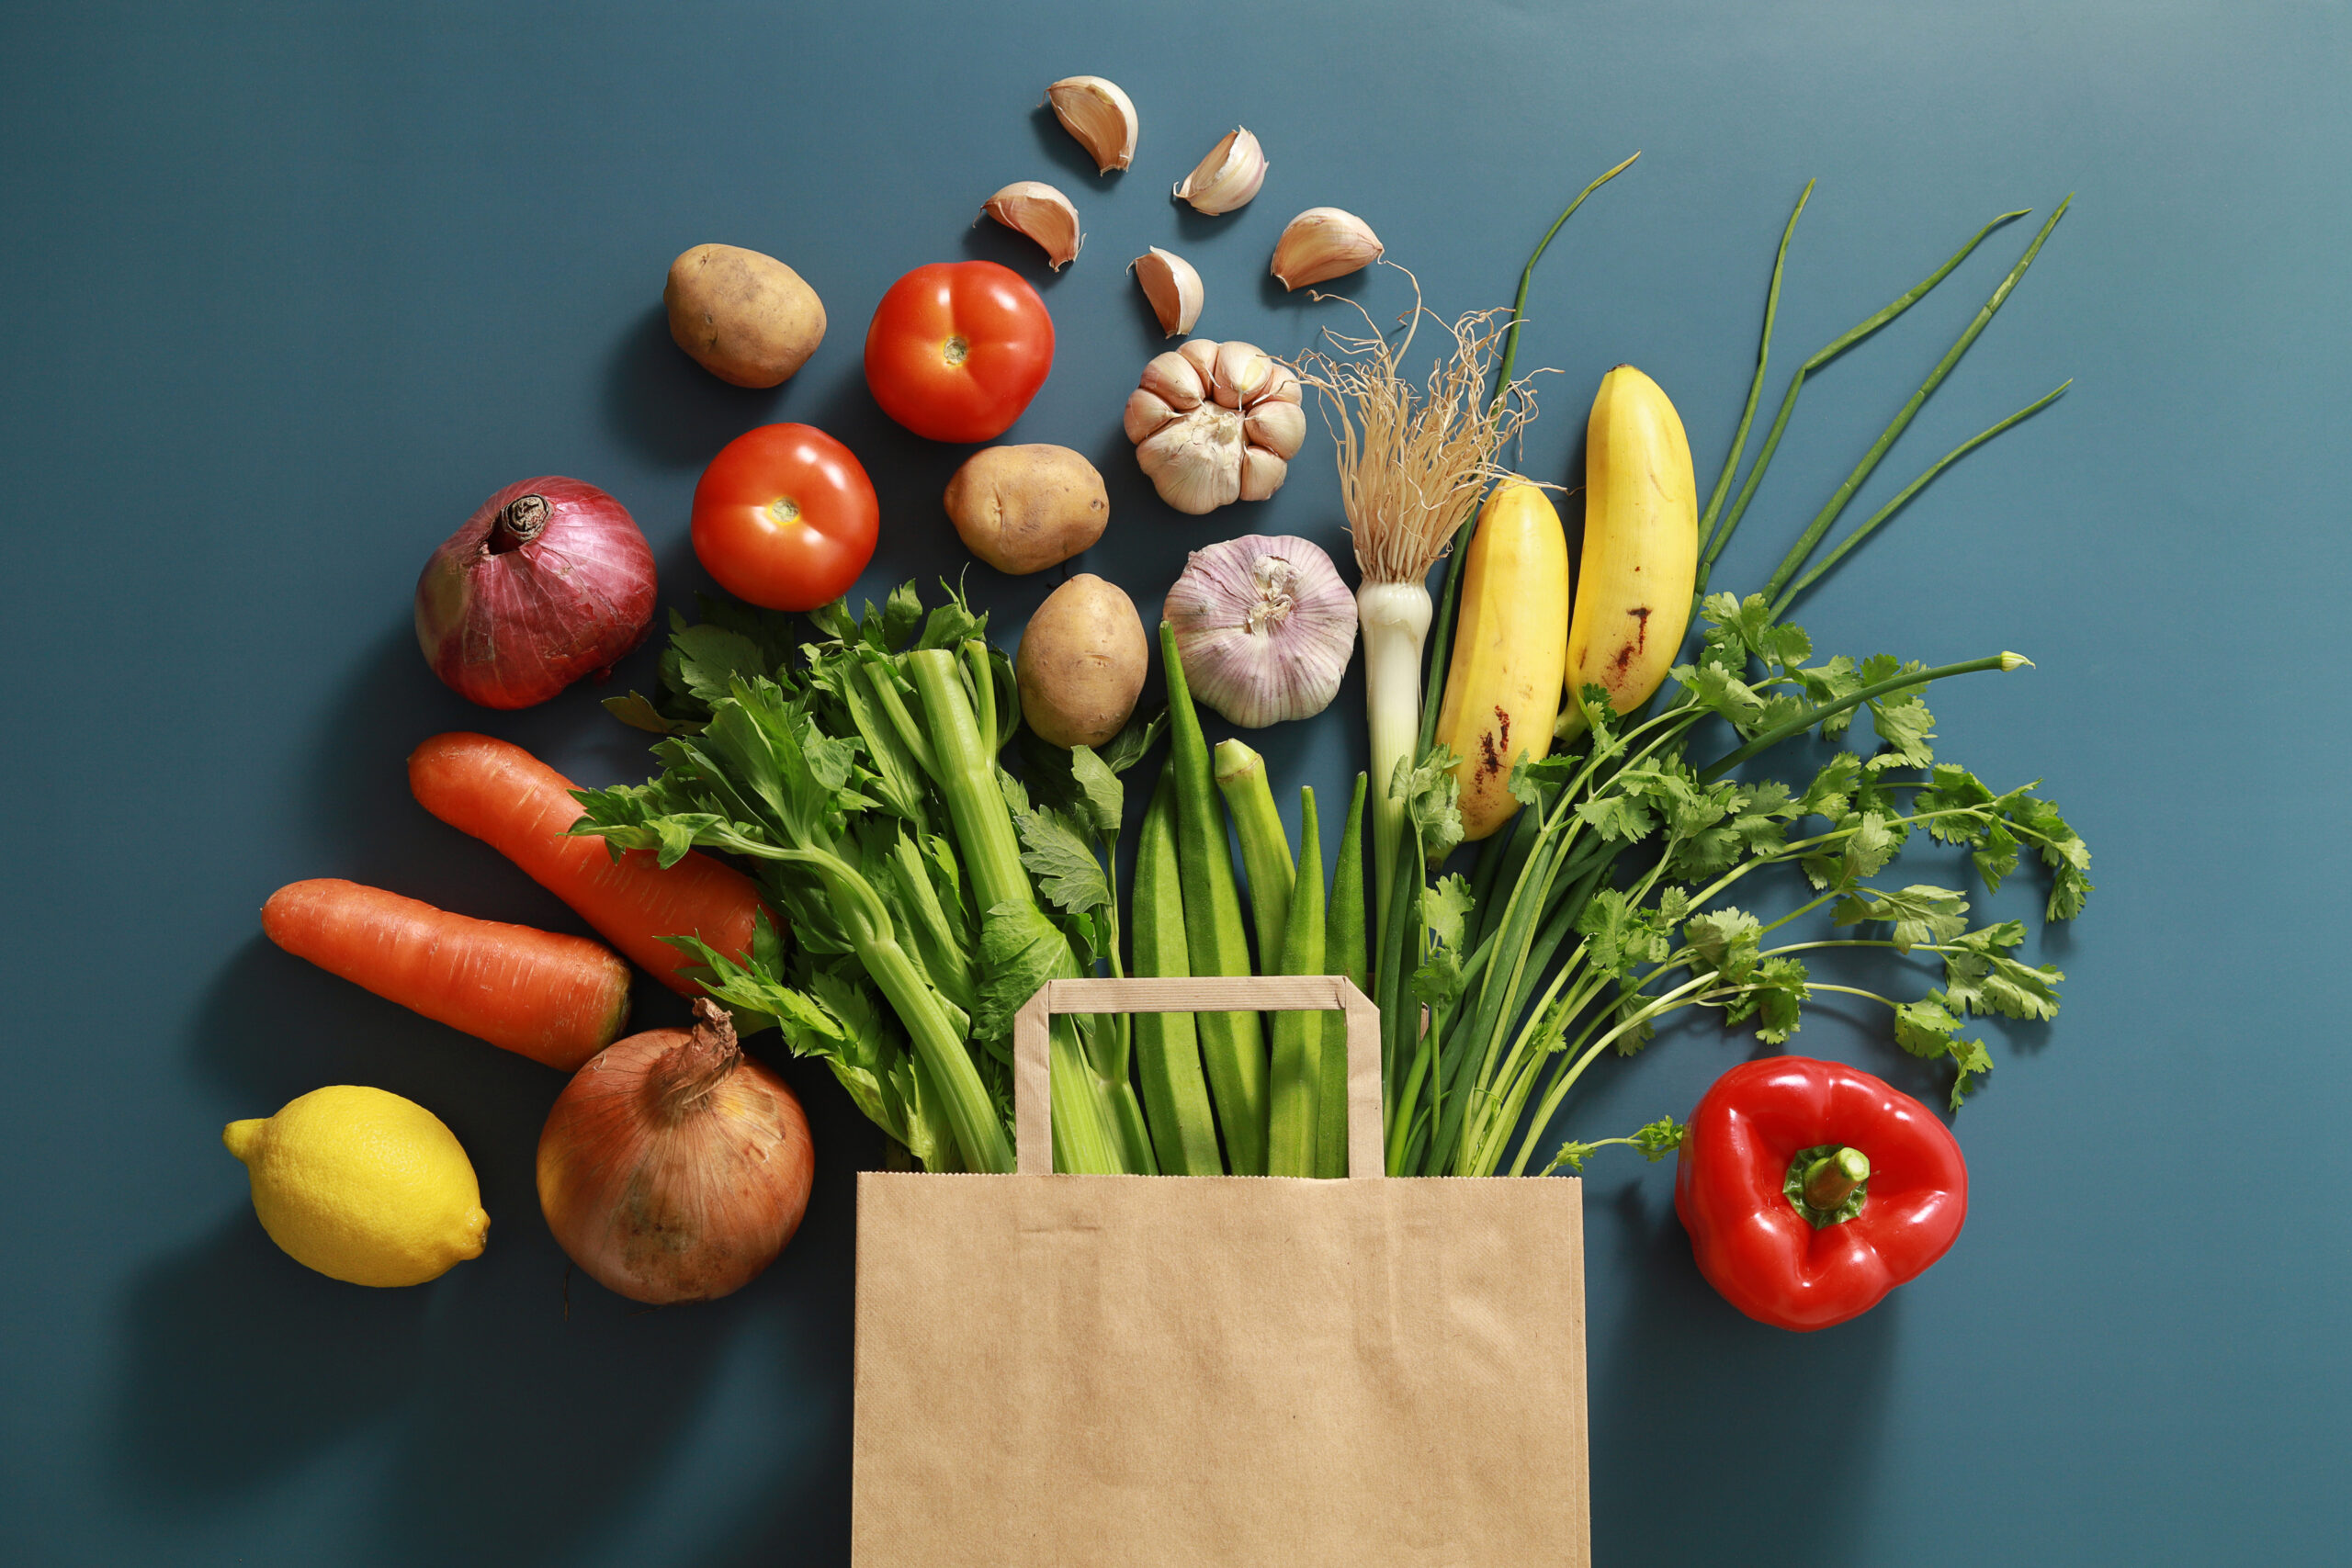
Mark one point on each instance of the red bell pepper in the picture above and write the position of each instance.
(1811, 1189)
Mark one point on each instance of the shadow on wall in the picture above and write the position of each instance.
(1779, 1430)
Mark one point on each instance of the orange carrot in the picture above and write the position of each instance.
(557, 1000)
(522, 809)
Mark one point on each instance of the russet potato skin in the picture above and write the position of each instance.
(1023, 509)
(746, 318)
(1081, 663)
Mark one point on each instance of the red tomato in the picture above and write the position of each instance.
(957, 349)
(785, 517)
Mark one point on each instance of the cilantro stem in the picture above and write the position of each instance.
(1802, 549)
(1822, 356)
(1814, 715)
(1913, 488)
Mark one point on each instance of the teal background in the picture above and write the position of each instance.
(289, 289)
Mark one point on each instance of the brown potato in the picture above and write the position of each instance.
(1081, 662)
(1023, 509)
(746, 318)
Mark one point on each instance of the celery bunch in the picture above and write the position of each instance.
(858, 776)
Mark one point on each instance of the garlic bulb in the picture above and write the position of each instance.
(1229, 176)
(1103, 119)
(1215, 423)
(1265, 628)
(1172, 285)
(1322, 243)
(1046, 215)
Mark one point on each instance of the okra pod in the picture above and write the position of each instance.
(1295, 1079)
(1167, 1046)
(1233, 1045)
(1265, 855)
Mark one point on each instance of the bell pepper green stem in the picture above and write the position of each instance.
(1831, 1179)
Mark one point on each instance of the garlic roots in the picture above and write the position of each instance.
(1102, 117)
(1229, 176)
(1322, 243)
(1173, 288)
(1215, 423)
(1046, 215)
(1265, 628)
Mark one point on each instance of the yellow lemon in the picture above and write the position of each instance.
(362, 1185)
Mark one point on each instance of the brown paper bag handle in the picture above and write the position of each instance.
(1031, 1062)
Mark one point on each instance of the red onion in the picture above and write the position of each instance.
(674, 1167)
(549, 581)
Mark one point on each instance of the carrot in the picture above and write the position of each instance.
(524, 809)
(557, 1000)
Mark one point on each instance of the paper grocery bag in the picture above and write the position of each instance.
(1127, 1371)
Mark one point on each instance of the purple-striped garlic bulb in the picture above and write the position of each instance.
(1264, 627)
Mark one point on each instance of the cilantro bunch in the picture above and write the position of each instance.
(1611, 901)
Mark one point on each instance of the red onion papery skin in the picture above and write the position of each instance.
(674, 1167)
(532, 594)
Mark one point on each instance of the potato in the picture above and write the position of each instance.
(1081, 662)
(744, 317)
(1023, 509)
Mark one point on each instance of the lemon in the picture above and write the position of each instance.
(362, 1185)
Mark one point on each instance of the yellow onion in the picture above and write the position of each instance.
(674, 1167)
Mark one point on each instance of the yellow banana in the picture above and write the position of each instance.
(1503, 690)
(1640, 547)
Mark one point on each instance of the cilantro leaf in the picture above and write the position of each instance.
(1775, 995)
(1726, 941)
(1920, 913)
(1620, 935)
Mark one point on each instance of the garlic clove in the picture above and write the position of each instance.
(1321, 244)
(1229, 176)
(1284, 387)
(1194, 463)
(1176, 380)
(1201, 354)
(1261, 473)
(1172, 285)
(1279, 427)
(1046, 215)
(1145, 413)
(1094, 110)
(1242, 374)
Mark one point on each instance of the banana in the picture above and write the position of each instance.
(1640, 547)
(1502, 689)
